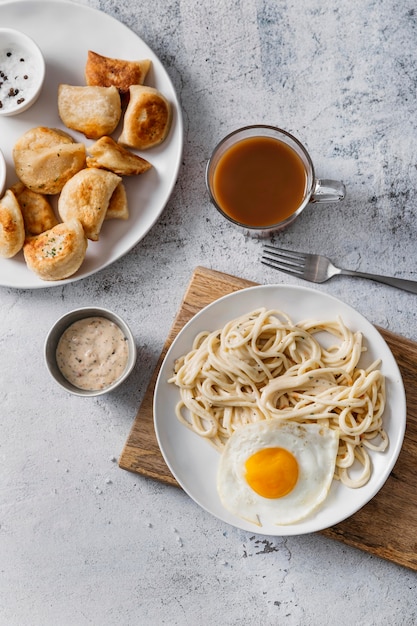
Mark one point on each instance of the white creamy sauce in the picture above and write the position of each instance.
(18, 77)
(92, 353)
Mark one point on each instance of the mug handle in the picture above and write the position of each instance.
(326, 190)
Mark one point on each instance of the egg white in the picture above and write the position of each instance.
(315, 449)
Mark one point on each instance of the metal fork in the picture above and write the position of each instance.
(317, 269)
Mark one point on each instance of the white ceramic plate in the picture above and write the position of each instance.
(194, 462)
(65, 32)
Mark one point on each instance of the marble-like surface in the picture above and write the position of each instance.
(84, 542)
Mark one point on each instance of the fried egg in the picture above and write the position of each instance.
(277, 471)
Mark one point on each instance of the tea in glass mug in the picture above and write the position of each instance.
(261, 178)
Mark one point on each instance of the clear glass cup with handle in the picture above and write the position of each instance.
(261, 178)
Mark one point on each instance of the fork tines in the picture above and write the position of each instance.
(284, 260)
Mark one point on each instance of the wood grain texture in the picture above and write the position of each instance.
(386, 526)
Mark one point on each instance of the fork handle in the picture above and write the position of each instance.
(400, 283)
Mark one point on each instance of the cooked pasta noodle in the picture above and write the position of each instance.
(262, 366)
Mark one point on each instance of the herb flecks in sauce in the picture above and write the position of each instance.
(92, 353)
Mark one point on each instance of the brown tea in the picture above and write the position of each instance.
(259, 181)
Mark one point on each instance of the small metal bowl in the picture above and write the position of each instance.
(23, 68)
(59, 328)
(2, 174)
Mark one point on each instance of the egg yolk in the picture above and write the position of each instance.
(272, 472)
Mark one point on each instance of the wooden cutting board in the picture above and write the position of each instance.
(386, 526)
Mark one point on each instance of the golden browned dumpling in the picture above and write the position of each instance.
(38, 214)
(43, 137)
(57, 253)
(118, 208)
(105, 71)
(147, 119)
(45, 158)
(86, 197)
(94, 111)
(12, 228)
(107, 154)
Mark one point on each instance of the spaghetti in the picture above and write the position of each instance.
(261, 366)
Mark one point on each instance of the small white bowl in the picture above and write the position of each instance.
(59, 328)
(22, 72)
(2, 174)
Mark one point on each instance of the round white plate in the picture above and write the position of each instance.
(193, 461)
(65, 31)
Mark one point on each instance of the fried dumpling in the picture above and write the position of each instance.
(105, 71)
(147, 119)
(45, 158)
(43, 137)
(86, 197)
(12, 228)
(92, 110)
(38, 214)
(118, 207)
(108, 154)
(57, 253)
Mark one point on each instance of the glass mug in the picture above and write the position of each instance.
(261, 178)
